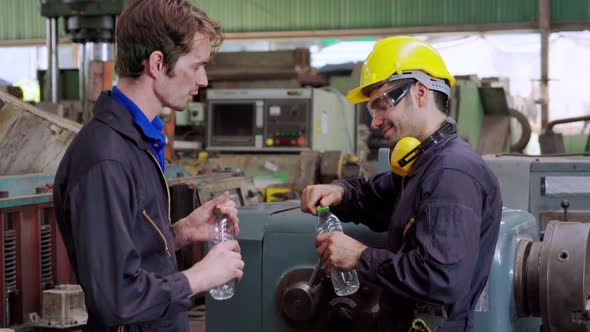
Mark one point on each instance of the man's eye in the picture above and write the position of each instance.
(381, 105)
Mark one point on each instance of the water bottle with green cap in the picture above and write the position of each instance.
(344, 282)
(221, 229)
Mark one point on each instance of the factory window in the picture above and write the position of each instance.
(19, 66)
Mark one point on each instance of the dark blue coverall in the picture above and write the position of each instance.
(112, 208)
(449, 208)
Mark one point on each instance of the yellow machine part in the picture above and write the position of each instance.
(277, 194)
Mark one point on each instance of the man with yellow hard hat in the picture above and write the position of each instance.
(440, 205)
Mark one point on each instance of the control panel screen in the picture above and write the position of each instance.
(233, 119)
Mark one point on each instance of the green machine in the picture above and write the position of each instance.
(282, 289)
(533, 284)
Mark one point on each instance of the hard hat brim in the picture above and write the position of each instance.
(356, 96)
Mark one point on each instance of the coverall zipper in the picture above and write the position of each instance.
(167, 196)
(165, 182)
(159, 232)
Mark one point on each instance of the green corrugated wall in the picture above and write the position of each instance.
(20, 19)
(282, 15)
(570, 10)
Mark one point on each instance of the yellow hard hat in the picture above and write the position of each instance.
(394, 55)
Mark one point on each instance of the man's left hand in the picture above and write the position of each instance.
(195, 227)
(339, 250)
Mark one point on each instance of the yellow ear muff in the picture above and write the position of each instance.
(401, 149)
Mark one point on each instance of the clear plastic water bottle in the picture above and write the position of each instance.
(344, 282)
(221, 229)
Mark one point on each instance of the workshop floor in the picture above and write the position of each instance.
(196, 321)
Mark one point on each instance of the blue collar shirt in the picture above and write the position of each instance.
(152, 131)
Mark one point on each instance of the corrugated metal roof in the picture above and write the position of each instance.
(21, 19)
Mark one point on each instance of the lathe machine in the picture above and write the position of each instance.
(532, 283)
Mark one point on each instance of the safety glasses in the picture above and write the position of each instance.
(380, 105)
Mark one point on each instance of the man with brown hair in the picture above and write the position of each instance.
(111, 198)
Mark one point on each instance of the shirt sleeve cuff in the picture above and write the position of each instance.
(346, 193)
(343, 208)
(181, 291)
(370, 262)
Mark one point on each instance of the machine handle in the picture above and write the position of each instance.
(550, 125)
(314, 276)
(565, 204)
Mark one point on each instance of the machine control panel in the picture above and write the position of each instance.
(286, 124)
(279, 120)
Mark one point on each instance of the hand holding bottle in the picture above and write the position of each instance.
(221, 230)
(339, 250)
(222, 264)
(345, 282)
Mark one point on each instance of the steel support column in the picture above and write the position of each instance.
(545, 29)
(52, 59)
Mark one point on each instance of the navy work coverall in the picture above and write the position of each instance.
(112, 208)
(449, 208)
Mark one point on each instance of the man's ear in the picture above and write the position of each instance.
(421, 94)
(155, 64)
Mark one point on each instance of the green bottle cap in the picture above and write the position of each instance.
(320, 209)
(217, 213)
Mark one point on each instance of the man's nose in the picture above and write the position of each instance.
(202, 80)
(376, 122)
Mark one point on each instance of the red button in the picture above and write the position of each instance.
(301, 141)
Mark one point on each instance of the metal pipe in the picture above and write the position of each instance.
(100, 51)
(49, 45)
(103, 51)
(88, 56)
(550, 125)
(545, 29)
(82, 78)
(54, 59)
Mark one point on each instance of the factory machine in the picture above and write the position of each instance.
(91, 24)
(538, 278)
(33, 256)
(189, 192)
(279, 120)
(550, 188)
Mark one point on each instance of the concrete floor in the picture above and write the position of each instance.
(196, 321)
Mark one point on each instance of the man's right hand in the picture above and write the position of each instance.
(222, 264)
(320, 194)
